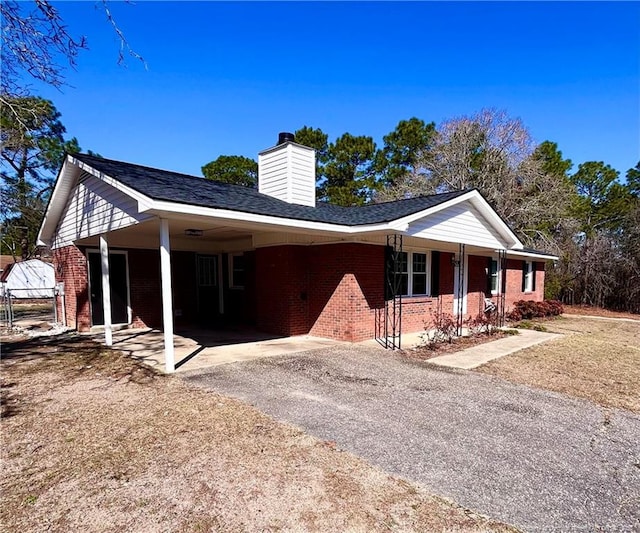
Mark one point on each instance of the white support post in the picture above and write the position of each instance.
(106, 291)
(167, 301)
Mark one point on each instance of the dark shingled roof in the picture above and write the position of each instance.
(181, 188)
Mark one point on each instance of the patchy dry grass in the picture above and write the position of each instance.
(92, 441)
(589, 310)
(597, 359)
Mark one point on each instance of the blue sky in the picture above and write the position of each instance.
(225, 78)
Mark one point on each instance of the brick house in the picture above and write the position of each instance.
(176, 250)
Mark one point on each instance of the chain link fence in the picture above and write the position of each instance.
(18, 311)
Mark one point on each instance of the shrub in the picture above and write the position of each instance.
(481, 323)
(514, 316)
(556, 307)
(441, 328)
(527, 309)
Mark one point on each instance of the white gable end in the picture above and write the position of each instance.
(460, 223)
(94, 208)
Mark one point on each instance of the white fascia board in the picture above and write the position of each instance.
(169, 208)
(481, 204)
(532, 255)
(56, 204)
(431, 210)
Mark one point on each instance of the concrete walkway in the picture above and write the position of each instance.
(483, 353)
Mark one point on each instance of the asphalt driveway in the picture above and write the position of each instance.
(538, 460)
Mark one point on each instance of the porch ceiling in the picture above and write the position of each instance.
(218, 237)
(147, 235)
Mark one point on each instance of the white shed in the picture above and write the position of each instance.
(28, 279)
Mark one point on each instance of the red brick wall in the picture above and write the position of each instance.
(346, 287)
(337, 290)
(281, 290)
(330, 290)
(70, 265)
(476, 284)
(249, 311)
(514, 283)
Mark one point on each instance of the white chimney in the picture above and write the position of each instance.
(288, 171)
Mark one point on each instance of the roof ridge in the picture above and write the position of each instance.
(455, 193)
(201, 179)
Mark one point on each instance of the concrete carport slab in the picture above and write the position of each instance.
(199, 349)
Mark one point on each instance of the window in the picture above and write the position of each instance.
(413, 269)
(236, 271)
(493, 276)
(528, 277)
(419, 274)
(207, 271)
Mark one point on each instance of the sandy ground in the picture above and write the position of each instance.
(92, 441)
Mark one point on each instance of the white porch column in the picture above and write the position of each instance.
(167, 300)
(106, 291)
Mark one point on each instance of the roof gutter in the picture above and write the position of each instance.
(163, 208)
(533, 255)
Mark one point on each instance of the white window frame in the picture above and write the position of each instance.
(409, 272)
(528, 276)
(496, 277)
(232, 284)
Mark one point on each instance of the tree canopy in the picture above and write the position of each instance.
(633, 180)
(33, 147)
(399, 159)
(232, 169)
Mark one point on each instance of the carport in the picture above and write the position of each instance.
(199, 348)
